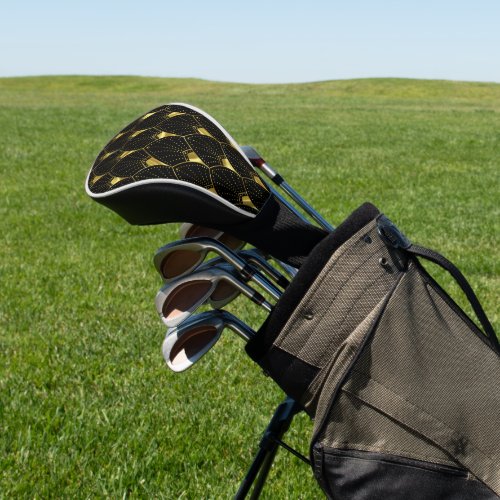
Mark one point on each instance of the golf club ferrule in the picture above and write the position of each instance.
(282, 281)
(247, 271)
(261, 301)
(257, 161)
(262, 165)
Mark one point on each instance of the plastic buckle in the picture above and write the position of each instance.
(391, 235)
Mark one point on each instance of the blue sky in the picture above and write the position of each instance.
(253, 41)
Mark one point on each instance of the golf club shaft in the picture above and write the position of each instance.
(255, 257)
(189, 230)
(290, 270)
(255, 297)
(266, 285)
(289, 205)
(243, 333)
(238, 326)
(258, 162)
(303, 203)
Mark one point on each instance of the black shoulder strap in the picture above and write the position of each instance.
(437, 258)
(395, 239)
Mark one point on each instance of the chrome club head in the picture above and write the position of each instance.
(186, 344)
(179, 258)
(177, 300)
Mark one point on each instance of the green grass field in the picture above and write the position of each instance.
(87, 406)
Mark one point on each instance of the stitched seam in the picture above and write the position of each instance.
(347, 445)
(335, 260)
(362, 293)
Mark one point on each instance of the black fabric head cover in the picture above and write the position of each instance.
(177, 164)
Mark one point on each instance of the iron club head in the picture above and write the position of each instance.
(186, 344)
(177, 300)
(179, 258)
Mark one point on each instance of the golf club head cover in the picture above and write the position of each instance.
(177, 164)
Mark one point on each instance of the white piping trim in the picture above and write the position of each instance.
(172, 181)
(175, 181)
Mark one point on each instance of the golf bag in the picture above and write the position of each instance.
(403, 387)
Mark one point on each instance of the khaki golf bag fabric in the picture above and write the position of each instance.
(404, 389)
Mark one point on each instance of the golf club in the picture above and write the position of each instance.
(252, 255)
(179, 299)
(255, 256)
(177, 164)
(224, 292)
(186, 344)
(188, 230)
(276, 178)
(180, 257)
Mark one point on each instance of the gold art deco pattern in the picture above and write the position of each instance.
(176, 142)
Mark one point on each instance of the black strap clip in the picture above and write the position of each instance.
(395, 241)
(391, 235)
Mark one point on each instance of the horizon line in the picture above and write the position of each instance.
(305, 82)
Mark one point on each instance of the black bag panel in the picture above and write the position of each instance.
(359, 475)
(293, 375)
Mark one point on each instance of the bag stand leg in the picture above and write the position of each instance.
(268, 446)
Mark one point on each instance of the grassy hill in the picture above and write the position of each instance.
(87, 407)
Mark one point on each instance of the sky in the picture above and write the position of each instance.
(253, 41)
